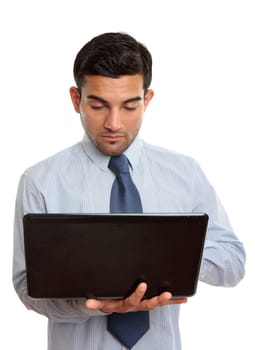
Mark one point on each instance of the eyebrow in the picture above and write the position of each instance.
(100, 99)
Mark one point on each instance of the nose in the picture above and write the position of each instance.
(112, 120)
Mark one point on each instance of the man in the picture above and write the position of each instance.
(113, 75)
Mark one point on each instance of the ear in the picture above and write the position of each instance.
(147, 97)
(75, 97)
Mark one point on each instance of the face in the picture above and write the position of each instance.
(111, 110)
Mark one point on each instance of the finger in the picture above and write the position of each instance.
(164, 298)
(149, 304)
(140, 290)
(135, 298)
(94, 304)
(177, 301)
(161, 300)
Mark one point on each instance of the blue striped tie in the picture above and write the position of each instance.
(129, 327)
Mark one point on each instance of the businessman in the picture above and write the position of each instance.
(113, 73)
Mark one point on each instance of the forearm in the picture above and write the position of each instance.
(224, 256)
(223, 263)
(60, 310)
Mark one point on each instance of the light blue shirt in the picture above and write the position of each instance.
(77, 180)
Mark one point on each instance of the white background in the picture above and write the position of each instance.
(204, 82)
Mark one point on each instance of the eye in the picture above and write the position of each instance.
(97, 107)
(131, 106)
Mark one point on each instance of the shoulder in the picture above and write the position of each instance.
(165, 158)
(170, 166)
(59, 162)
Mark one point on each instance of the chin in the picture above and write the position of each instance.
(112, 150)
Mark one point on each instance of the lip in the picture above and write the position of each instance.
(113, 137)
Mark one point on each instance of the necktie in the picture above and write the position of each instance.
(129, 327)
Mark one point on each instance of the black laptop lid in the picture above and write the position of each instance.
(106, 256)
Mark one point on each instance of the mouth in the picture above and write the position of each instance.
(112, 143)
(112, 137)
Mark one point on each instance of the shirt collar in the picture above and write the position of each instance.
(132, 153)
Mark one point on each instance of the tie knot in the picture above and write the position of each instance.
(119, 164)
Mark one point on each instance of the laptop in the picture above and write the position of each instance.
(108, 255)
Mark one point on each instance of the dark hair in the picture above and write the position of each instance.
(113, 55)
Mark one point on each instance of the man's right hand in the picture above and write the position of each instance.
(134, 302)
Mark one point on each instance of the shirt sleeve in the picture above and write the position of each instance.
(223, 262)
(30, 200)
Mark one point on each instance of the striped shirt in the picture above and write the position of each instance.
(77, 180)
